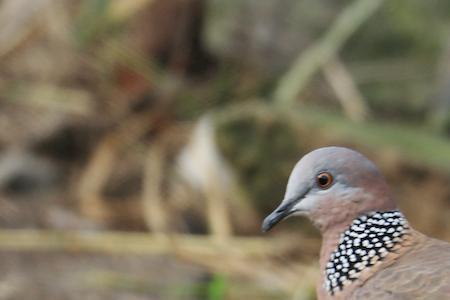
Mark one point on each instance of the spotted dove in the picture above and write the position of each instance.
(369, 250)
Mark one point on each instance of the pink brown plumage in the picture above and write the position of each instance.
(369, 250)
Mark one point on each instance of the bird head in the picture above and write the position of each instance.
(332, 185)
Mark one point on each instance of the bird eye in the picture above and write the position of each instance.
(324, 180)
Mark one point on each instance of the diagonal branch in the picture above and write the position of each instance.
(348, 94)
(313, 58)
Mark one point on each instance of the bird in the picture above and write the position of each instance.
(369, 249)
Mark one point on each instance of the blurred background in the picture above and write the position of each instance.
(142, 142)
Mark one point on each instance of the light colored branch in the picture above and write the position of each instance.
(152, 199)
(113, 242)
(348, 94)
(313, 58)
(121, 10)
(414, 143)
(246, 256)
(17, 21)
(203, 165)
(96, 174)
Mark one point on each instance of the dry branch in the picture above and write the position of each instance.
(348, 94)
(202, 164)
(313, 58)
(152, 199)
(120, 10)
(77, 102)
(246, 256)
(17, 21)
(113, 242)
(96, 174)
(413, 143)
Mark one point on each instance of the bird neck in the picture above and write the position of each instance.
(351, 251)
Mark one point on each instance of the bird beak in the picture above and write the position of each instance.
(280, 213)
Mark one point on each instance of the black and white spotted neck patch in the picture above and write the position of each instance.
(368, 239)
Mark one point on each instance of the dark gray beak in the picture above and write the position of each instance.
(277, 215)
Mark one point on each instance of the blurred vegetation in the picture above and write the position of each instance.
(143, 141)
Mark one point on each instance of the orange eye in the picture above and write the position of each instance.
(324, 180)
